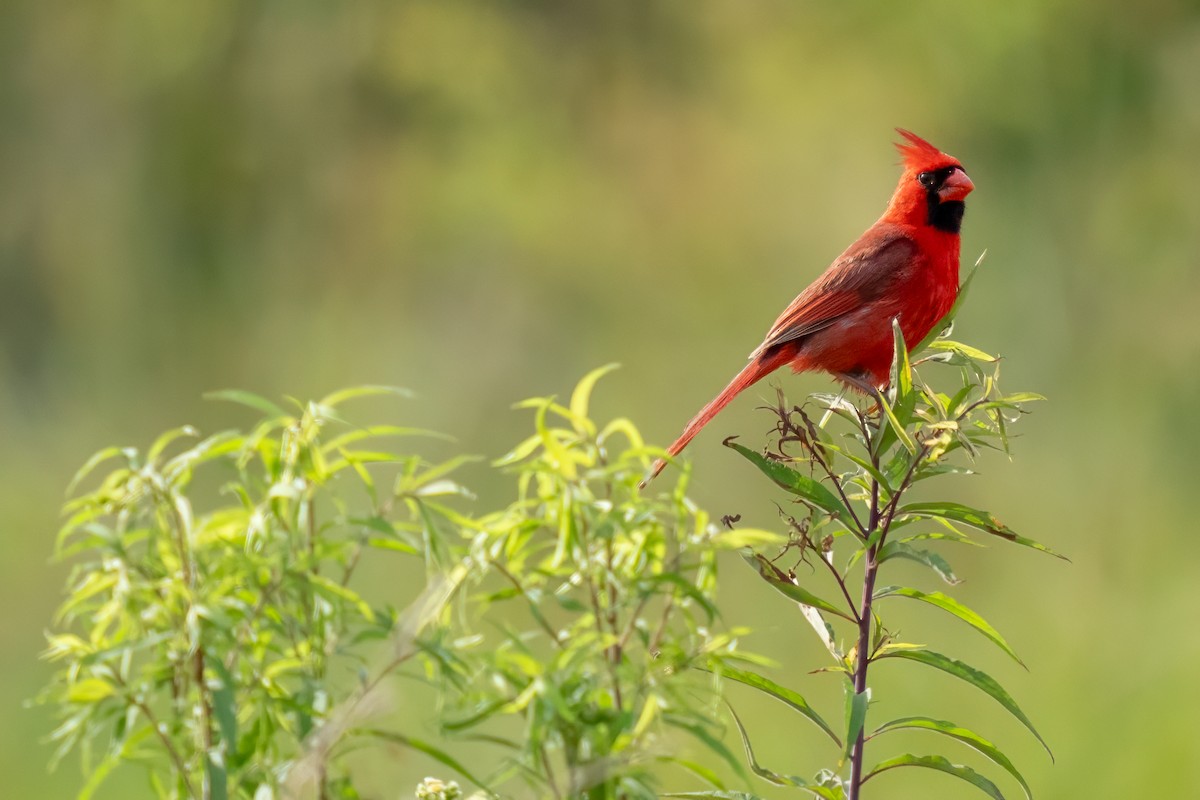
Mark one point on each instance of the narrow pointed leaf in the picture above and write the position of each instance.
(581, 397)
(856, 715)
(767, 775)
(701, 771)
(797, 483)
(708, 739)
(949, 604)
(94, 461)
(977, 678)
(785, 586)
(428, 749)
(937, 330)
(942, 765)
(715, 795)
(901, 378)
(897, 429)
(250, 399)
(224, 705)
(927, 557)
(964, 735)
(342, 395)
(946, 345)
(976, 519)
(781, 693)
(164, 441)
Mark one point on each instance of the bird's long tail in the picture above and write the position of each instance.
(753, 372)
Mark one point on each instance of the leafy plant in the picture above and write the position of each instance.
(597, 600)
(853, 470)
(213, 632)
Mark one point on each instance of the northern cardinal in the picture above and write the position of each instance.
(903, 267)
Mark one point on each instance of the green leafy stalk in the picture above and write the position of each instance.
(854, 477)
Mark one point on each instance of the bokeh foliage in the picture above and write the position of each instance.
(215, 632)
(482, 200)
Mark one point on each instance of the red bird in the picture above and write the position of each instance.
(904, 267)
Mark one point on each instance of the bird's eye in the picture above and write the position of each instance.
(927, 179)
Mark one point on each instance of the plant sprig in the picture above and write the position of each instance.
(851, 467)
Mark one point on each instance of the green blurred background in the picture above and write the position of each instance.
(482, 201)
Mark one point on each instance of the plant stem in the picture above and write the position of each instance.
(863, 661)
(206, 713)
(866, 617)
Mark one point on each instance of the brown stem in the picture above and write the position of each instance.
(863, 660)
(168, 745)
(206, 714)
(865, 619)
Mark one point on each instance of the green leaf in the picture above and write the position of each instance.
(715, 795)
(336, 590)
(759, 770)
(707, 738)
(964, 735)
(901, 379)
(927, 557)
(250, 399)
(1022, 397)
(788, 588)
(223, 705)
(738, 538)
(96, 460)
(341, 396)
(581, 397)
(946, 345)
(780, 693)
(797, 483)
(428, 749)
(217, 779)
(856, 714)
(947, 603)
(164, 441)
(982, 520)
(391, 544)
(706, 774)
(977, 678)
(378, 431)
(98, 775)
(942, 765)
(937, 330)
(897, 428)
(90, 690)
(688, 589)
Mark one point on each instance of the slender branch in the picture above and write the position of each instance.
(813, 444)
(837, 484)
(865, 618)
(546, 765)
(206, 714)
(536, 615)
(614, 621)
(841, 582)
(594, 597)
(168, 745)
(863, 660)
(656, 639)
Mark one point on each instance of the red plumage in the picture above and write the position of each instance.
(903, 267)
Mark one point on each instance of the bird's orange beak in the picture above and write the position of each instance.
(956, 187)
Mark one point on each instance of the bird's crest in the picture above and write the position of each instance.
(917, 153)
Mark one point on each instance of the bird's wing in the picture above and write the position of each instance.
(867, 270)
